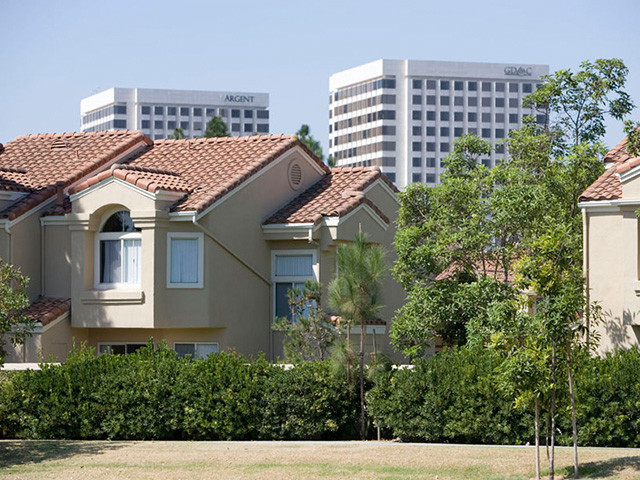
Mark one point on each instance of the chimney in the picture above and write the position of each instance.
(60, 193)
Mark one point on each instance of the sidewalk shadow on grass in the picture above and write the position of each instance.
(605, 468)
(21, 452)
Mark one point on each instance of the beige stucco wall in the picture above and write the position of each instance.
(612, 266)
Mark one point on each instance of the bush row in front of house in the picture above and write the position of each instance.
(152, 394)
(456, 397)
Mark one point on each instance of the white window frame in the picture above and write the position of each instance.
(100, 344)
(291, 279)
(96, 257)
(188, 235)
(197, 343)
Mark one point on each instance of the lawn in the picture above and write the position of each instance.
(293, 460)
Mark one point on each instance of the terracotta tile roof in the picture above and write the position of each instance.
(34, 163)
(205, 168)
(334, 195)
(608, 185)
(491, 269)
(45, 310)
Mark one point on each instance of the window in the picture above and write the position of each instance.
(499, 117)
(431, 162)
(157, 124)
(499, 132)
(431, 131)
(472, 116)
(444, 116)
(417, 99)
(431, 147)
(458, 85)
(486, 101)
(171, 110)
(431, 178)
(195, 350)
(499, 102)
(513, 87)
(248, 127)
(119, 123)
(184, 125)
(158, 110)
(262, 114)
(197, 112)
(171, 124)
(417, 84)
(486, 117)
(120, 109)
(235, 127)
(263, 128)
(185, 260)
(513, 118)
(417, 162)
(391, 176)
(119, 348)
(500, 87)
(290, 269)
(248, 114)
(431, 115)
(145, 123)
(457, 132)
(431, 99)
(444, 99)
(416, 130)
(431, 84)
(472, 101)
(416, 178)
(513, 103)
(444, 146)
(472, 86)
(444, 84)
(486, 133)
(197, 125)
(416, 147)
(457, 116)
(458, 101)
(486, 86)
(184, 111)
(235, 113)
(417, 115)
(118, 247)
(526, 88)
(211, 112)
(146, 110)
(444, 131)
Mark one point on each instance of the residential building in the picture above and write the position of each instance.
(157, 113)
(404, 115)
(612, 247)
(195, 242)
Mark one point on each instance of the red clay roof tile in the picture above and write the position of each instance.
(46, 309)
(334, 195)
(32, 164)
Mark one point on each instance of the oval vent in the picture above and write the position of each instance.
(295, 175)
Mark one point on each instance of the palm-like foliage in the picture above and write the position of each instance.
(356, 292)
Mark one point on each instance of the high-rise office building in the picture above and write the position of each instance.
(404, 115)
(157, 113)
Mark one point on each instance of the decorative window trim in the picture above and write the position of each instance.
(291, 279)
(100, 344)
(98, 236)
(195, 235)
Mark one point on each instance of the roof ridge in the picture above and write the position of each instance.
(34, 136)
(136, 168)
(230, 139)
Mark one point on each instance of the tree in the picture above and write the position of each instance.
(356, 293)
(310, 332)
(216, 128)
(311, 143)
(520, 217)
(15, 327)
(177, 134)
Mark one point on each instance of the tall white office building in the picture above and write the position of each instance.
(158, 113)
(404, 115)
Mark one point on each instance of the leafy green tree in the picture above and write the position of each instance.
(310, 332)
(356, 293)
(304, 135)
(216, 128)
(177, 134)
(15, 327)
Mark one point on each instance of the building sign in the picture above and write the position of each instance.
(518, 71)
(239, 98)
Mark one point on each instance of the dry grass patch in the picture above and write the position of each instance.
(27, 460)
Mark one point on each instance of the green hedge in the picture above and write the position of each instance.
(454, 397)
(448, 398)
(154, 395)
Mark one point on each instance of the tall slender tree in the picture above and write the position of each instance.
(304, 135)
(356, 293)
(216, 128)
(15, 327)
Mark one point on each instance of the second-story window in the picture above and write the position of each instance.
(119, 245)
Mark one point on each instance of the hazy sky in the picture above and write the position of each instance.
(53, 53)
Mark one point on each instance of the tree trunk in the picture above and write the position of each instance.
(363, 332)
(348, 354)
(553, 411)
(574, 422)
(537, 429)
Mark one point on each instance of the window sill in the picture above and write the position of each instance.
(112, 297)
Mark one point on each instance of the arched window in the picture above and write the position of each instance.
(119, 249)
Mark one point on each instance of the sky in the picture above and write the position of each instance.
(54, 53)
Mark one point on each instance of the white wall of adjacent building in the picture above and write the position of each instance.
(404, 115)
